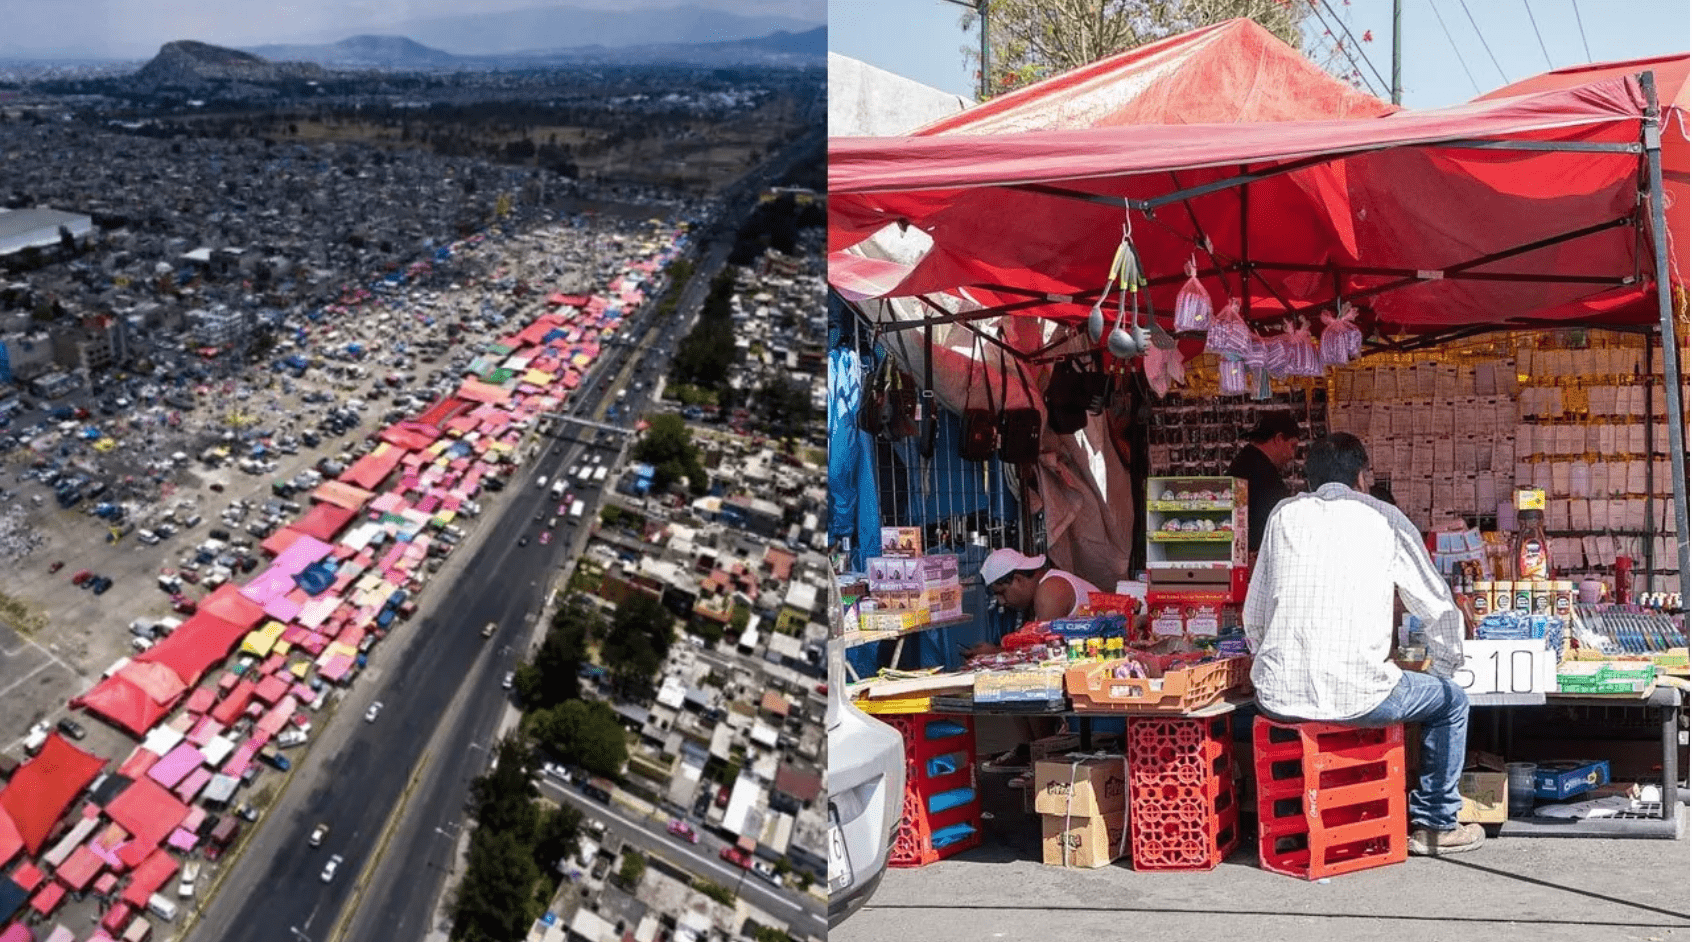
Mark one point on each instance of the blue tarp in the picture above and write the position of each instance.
(315, 579)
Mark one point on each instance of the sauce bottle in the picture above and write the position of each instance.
(1532, 550)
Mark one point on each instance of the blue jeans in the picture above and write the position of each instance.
(1443, 710)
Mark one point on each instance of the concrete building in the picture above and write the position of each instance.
(219, 327)
(24, 356)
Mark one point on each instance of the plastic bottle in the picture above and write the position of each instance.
(1532, 550)
(1480, 604)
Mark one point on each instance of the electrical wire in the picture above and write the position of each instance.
(1355, 68)
(1465, 5)
(1536, 35)
(1347, 30)
(1454, 48)
(1582, 28)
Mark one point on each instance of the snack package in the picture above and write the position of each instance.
(1342, 339)
(1277, 355)
(1192, 306)
(1233, 379)
(1303, 360)
(1229, 337)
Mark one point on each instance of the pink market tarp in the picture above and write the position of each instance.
(11, 842)
(18, 932)
(47, 899)
(229, 709)
(176, 765)
(278, 716)
(139, 761)
(79, 869)
(283, 608)
(190, 787)
(201, 700)
(182, 840)
(204, 731)
(337, 667)
(271, 689)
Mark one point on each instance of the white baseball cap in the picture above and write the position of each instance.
(1002, 562)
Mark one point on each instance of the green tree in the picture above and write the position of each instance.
(556, 838)
(668, 446)
(1033, 39)
(771, 934)
(634, 867)
(718, 892)
(492, 903)
(582, 733)
(503, 798)
(553, 676)
(638, 640)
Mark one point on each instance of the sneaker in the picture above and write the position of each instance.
(1022, 780)
(1426, 842)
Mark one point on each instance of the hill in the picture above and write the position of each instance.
(364, 52)
(188, 63)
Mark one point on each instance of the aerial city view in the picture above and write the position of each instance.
(412, 474)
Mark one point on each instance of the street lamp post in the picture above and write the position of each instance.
(980, 8)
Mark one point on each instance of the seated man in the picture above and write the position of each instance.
(1319, 619)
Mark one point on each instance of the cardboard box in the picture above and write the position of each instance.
(1086, 843)
(1558, 780)
(1089, 787)
(943, 603)
(901, 541)
(1486, 797)
(940, 569)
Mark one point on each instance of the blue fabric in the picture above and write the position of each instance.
(853, 504)
(1443, 710)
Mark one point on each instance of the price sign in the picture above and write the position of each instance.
(1506, 667)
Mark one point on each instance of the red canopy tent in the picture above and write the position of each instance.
(1528, 210)
(44, 787)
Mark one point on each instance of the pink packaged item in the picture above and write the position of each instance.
(1229, 337)
(1342, 339)
(1303, 359)
(1233, 379)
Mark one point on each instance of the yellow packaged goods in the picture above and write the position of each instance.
(1530, 498)
(944, 602)
(1083, 842)
(1092, 786)
(1486, 797)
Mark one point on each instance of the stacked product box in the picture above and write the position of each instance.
(1083, 804)
(908, 589)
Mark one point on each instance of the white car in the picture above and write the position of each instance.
(866, 786)
(374, 711)
(506, 681)
(330, 868)
(317, 835)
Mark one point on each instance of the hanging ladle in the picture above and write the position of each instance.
(1095, 319)
(1125, 344)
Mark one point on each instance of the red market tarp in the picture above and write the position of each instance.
(1371, 195)
(230, 605)
(117, 917)
(48, 898)
(230, 708)
(136, 697)
(79, 869)
(444, 410)
(1674, 97)
(1228, 72)
(201, 642)
(410, 435)
(371, 470)
(341, 494)
(153, 873)
(324, 521)
(44, 787)
(10, 840)
(148, 811)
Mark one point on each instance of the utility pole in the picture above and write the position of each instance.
(980, 8)
(1397, 54)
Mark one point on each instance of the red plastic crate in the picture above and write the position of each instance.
(1183, 811)
(913, 840)
(1330, 798)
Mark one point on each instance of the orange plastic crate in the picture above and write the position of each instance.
(1330, 798)
(1184, 809)
(1092, 689)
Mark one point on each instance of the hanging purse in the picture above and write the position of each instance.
(980, 426)
(900, 406)
(1019, 429)
(872, 407)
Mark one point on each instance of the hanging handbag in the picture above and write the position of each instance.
(871, 408)
(900, 407)
(980, 426)
(1019, 429)
(1067, 397)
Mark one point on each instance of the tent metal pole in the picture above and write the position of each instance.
(1673, 388)
(1245, 248)
(1611, 280)
(1650, 469)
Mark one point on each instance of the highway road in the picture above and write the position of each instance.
(439, 682)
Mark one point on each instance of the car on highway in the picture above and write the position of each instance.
(737, 856)
(330, 867)
(317, 835)
(866, 786)
(564, 508)
(489, 629)
(374, 711)
(523, 540)
(545, 537)
(683, 830)
(506, 681)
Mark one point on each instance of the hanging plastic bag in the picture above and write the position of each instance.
(1342, 339)
(1164, 368)
(1193, 312)
(1277, 355)
(1303, 360)
(1229, 337)
(1233, 380)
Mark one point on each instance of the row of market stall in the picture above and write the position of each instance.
(1208, 228)
(340, 576)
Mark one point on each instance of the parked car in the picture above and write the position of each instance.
(58, 564)
(737, 856)
(72, 728)
(82, 575)
(766, 872)
(866, 786)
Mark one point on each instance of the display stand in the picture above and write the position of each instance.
(898, 639)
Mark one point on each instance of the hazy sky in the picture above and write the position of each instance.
(920, 39)
(136, 28)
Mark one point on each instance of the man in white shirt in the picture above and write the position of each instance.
(1319, 619)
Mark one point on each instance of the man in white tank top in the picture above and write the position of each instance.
(1030, 584)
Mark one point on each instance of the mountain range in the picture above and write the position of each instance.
(402, 53)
